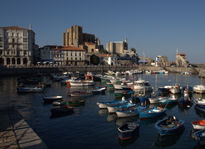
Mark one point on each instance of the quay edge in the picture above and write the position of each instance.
(13, 71)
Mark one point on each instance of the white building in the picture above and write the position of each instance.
(63, 55)
(17, 46)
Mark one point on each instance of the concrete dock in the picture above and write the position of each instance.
(15, 133)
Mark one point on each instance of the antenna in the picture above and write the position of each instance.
(29, 26)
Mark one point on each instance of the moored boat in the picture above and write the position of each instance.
(169, 126)
(128, 130)
(199, 136)
(127, 113)
(198, 124)
(199, 89)
(152, 112)
(30, 89)
(104, 104)
(50, 99)
(99, 90)
(113, 109)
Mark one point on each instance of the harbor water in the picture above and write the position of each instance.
(90, 127)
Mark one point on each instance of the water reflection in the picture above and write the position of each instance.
(125, 143)
(102, 112)
(121, 121)
(111, 117)
(165, 141)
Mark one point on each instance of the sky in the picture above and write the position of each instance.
(152, 27)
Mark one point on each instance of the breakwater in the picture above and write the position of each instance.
(10, 71)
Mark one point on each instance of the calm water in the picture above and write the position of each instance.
(89, 127)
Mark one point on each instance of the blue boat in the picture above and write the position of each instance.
(199, 136)
(169, 126)
(128, 130)
(152, 113)
(200, 107)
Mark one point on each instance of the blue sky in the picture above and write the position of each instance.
(153, 27)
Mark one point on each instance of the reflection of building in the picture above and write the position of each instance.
(63, 55)
(17, 46)
(117, 47)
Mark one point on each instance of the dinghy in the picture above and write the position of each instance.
(199, 124)
(169, 126)
(128, 130)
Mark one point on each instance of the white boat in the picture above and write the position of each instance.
(99, 90)
(142, 85)
(104, 104)
(198, 124)
(127, 113)
(175, 89)
(199, 89)
(49, 99)
(77, 83)
(113, 109)
(154, 100)
(30, 89)
(200, 101)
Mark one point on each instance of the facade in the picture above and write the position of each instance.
(74, 36)
(63, 55)
(17, 46)
(117, 47)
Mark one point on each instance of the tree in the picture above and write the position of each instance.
(95, 60)
(133, 49)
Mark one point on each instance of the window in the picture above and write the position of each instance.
(25, 39)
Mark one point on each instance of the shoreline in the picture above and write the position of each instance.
(15, 71)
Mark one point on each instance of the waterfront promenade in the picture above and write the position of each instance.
(15, 133)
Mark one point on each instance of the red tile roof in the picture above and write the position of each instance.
(68, 48)
(14, 27)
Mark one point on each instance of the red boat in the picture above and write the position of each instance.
(199, 124)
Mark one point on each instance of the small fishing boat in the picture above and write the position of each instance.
(199, 136)
(80, 94)
(169, 126)
(30, 89)
(199, 124)
(152, 112)
(50, 99)
(113, 109)
(163, 90)
(128, 130)
(199, 89)
(99, 90)
(80, 83)
(127, 113)
(104, 104)
(60, 111)
(175, 89)
(154, 100)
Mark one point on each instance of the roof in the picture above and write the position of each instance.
(182, 54)
(67, 48)
(14, 28)
(105, 55)
(90, 43)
